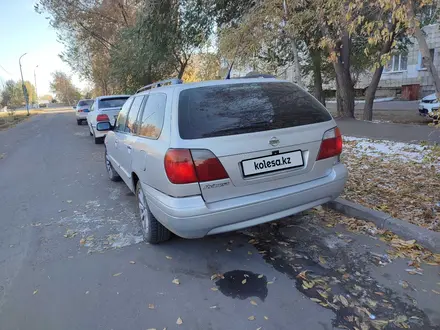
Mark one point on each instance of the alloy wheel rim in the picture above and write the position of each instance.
(143, 210)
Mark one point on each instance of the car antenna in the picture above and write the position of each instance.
(228, 76)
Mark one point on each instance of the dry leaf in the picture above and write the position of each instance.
(249, 252)
(379, 293)
(253, 302)
(69, 201)
(266, 318)
(244, 281)
(176, 281)
(132, 262)
(270, 282)
(214, 289)
(168, 257)
(217, 275)
(35, 292)
(213, 307)
(258, 328)
(179, 321)
(228, 249)
(82, 241)
(117, 274)
(302, 275)
(322, 260)
(260, 276)
(343, 300)
(251, 318)
(151, 306)
(435, 291)
(315, 300)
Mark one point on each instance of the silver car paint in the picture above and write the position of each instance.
(195, 210)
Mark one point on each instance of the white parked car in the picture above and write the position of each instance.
(104, 109)
(428, 105)
(217, 156)
(81, 110)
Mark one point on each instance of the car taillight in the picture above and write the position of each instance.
(80, 110)
(331, 144)
(208, 166)
(185, 166)
(102, 118)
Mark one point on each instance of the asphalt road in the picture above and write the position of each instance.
(54, 192)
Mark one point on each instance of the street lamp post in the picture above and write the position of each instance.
(36, 90)
(23, 86)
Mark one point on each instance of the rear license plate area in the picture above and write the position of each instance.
(272, 163)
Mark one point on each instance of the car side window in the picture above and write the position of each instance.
(153, 116)
(122, 117)
(133, 113)
(92, 107)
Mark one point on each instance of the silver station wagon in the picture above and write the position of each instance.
(216, 156)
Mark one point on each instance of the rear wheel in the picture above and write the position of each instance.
(99, 140)
(112, 174)
(152, 230)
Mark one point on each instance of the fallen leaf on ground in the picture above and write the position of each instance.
(214, 289)
(176, 281)
(322, 260)
(151, 329)
(82, 241)
(35, 292)
(213, 307)
(266, 318)
(258, 328)
(216, 275)
(404, 284)
(270, 282)
(249, 252)
(117, 274)
(70, 233)
(251, 318)
(151, 306)
(168, 257)
(244, 281)
(343, 300)
(69, 201)
(260, 276)
(315, 300)
(179, 321)
(228, 249)
(302, 275)
(435, 291)
(253, 302)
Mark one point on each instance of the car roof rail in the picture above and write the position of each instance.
(174, 81)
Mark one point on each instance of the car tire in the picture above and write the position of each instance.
(99, 140)
(112, 174)
(152, 230)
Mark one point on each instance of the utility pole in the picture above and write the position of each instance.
(26, 98)
(36, 91)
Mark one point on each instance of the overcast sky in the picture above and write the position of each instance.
(22, 30)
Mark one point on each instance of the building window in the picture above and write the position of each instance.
(397, 63)
(422, 65)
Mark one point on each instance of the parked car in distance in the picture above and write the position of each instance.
(81, 110)
(428, 105)
(104, 109)
(217, 156)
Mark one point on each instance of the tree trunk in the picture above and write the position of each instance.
(343, 77)
(317, 76)
(372, 88)
(423, 46)
(297, 64)
(338, 101)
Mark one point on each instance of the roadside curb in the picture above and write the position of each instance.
(406, 230)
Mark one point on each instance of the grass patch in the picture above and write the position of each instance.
(8, 119)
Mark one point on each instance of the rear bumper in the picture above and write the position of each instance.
(81, 115)
(191, 217)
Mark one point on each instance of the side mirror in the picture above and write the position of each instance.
(104, 126)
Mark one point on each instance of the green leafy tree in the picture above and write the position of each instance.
(64, 89)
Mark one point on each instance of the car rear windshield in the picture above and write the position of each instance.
(85, 102)
(116, 102)
(246, 108)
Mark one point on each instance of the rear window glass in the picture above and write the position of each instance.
(116, 102)
(85, 102)
(246, 108)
